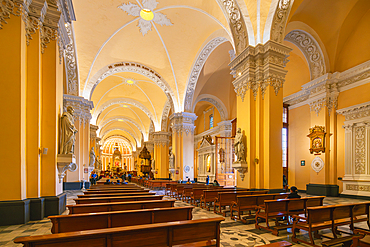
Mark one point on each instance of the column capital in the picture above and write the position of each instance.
(81, 106)
(258, 67)
(225, 128)
(149, 145)
(183, 122)
(161, 137)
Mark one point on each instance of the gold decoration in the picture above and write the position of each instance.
(317, 139)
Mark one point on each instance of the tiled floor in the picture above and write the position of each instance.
(233, 233)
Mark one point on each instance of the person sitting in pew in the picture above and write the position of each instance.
(107, 182)
(215, 183)
(118, 182)
(293, 192)
(188, 182)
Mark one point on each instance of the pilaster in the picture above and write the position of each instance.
(161, 149)
(182, 125)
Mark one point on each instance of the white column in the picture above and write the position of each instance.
(348, 150)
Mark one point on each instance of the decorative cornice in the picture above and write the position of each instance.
(279, 21)
(183, 122)
(356, 111)
(237, 24)
(81, 106)
(259, 67)
(197, 68)
(329, 86)
(311, 50)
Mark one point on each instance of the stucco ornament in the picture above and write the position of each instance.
(147, 14)
(317, 164)
(68, 132)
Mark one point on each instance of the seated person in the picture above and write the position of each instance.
(215, 183)
(118, 182)
(293, 192)
(188, 182)
(107, 182)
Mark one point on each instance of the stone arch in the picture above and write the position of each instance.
(277, 20)
(165, 115)
(236, 22)
(125, 119)
(214, 101)
(129, 67)
(125, 130)
(125, 101)
(121, 137)
(197, 68)
(310, 49)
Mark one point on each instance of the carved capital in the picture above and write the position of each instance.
(183, 122)
(8, 8)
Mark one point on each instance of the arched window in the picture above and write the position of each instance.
(211, 121)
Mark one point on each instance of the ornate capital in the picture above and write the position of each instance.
(161, 138)
(81, 106)
(8, 8)
(259, 67)
(183, 122)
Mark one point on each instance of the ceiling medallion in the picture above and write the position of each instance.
(146, 14)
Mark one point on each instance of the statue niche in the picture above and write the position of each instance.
(67, 132)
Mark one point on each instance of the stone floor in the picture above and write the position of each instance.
(233, 233)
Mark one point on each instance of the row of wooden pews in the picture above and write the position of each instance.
(126, 215)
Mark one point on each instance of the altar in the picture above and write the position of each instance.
(206, 160)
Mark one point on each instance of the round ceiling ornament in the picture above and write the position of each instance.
(317, 164)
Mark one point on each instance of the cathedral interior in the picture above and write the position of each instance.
(256, 94)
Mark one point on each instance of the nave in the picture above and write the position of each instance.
(233, 233)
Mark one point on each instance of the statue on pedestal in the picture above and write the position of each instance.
(239, 146)
(98, 165)
(171, 159)
(92, 157)
(68, 132)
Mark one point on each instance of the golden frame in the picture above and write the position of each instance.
(317, 139)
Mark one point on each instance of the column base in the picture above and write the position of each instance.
(37, 208)
(75, 185)
(14, 212)
(356, 188)
(55, 205)
(322, 189)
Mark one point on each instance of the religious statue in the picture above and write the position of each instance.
(68, 132)
(92, 157)
(239, 146)
(98, 165)
(172, 159)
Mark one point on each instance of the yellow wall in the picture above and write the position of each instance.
(199, 122)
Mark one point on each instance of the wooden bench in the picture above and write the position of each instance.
(209, 196)
(115, 188)
(283, 209)
(152, 184)
(251, 203)
(117, 199)
(119, 206)
(330, 217)
(361, 238)
(188, 191)
(197, 193)
(114, 191)
(90, 221)
(116, 195)
(224, 199)
(159, 234)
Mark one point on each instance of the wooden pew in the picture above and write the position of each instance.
(114, 191)
(224, 199)
(117, 199)
(361, 238)
(330, 217)
(116, 195)
(119, 206)
(188, 190)
(90, 221)
(283, 208)
(159, 234)
(209, 196)
(159, 183)
(114, 186)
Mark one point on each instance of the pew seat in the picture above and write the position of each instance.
(119, 206)
(90, 221)
(116, 194)
(159, 234)
(117, 199)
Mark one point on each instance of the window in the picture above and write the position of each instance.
(211, 121)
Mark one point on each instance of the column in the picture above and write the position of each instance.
(161, 152)
(259, 76)
(13, 144)
(182, 125)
